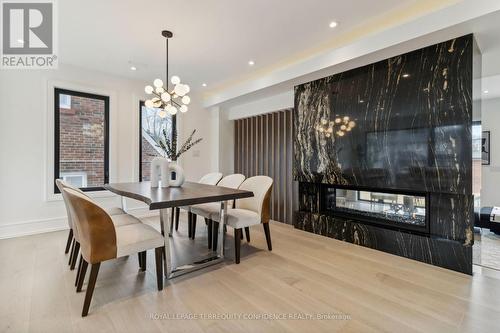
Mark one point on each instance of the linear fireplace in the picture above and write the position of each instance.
(399, 179)
(403, 211)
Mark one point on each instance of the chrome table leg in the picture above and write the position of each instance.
(214, 258)
(164, 220)
(124, 203)
(222, 223)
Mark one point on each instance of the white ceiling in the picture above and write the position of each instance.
(213, 39)
(480, 17)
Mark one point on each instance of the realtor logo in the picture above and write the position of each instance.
(28, 35)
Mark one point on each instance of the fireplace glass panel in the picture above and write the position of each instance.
(391, 207)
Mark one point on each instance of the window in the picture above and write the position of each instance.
(81, 142)
(78, 179)
(151, 126)
(64, 101)
(477, 138)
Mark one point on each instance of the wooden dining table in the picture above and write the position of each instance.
(168, 198)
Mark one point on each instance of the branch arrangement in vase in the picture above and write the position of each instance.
(169, 147)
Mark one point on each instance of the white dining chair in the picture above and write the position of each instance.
(249, 211)
(207, 209)
(101, 240)
(209, 179)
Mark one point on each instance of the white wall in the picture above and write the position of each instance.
(226, 143)
(197, 161)
(490, 177)
(26, 143)
(276, 102)
(222, 143)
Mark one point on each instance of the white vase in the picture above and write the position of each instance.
(176, 174)
(170, 173)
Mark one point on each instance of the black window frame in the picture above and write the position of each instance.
(141, 105)
(174, 128)
(62, 91)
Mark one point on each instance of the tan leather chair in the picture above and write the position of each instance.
(207, 209)
(100, 240)
(209, 179)
(118, 217)
(249, 211)
(72, 240)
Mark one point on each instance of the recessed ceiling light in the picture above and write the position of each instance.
(333, 24)
(251, 62)
(406, 75)
(203, 84)
(486, 91)
(133, 68)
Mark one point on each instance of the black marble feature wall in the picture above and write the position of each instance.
(410, 130)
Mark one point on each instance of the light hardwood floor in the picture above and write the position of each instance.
(304, 274)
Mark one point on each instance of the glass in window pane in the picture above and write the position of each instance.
(477, 136)
(76, 179)
(152, 127)
(82, 139)
(476, 141)
(64, 101)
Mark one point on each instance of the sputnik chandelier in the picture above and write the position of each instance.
(340, 126)
(168, 100)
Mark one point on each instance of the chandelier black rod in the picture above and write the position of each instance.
(167, 65)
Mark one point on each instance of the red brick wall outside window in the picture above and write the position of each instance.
(81, 140)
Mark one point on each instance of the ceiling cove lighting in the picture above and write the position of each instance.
(333, 24)
(170, 100)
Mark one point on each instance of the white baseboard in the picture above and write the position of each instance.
(33, 227)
